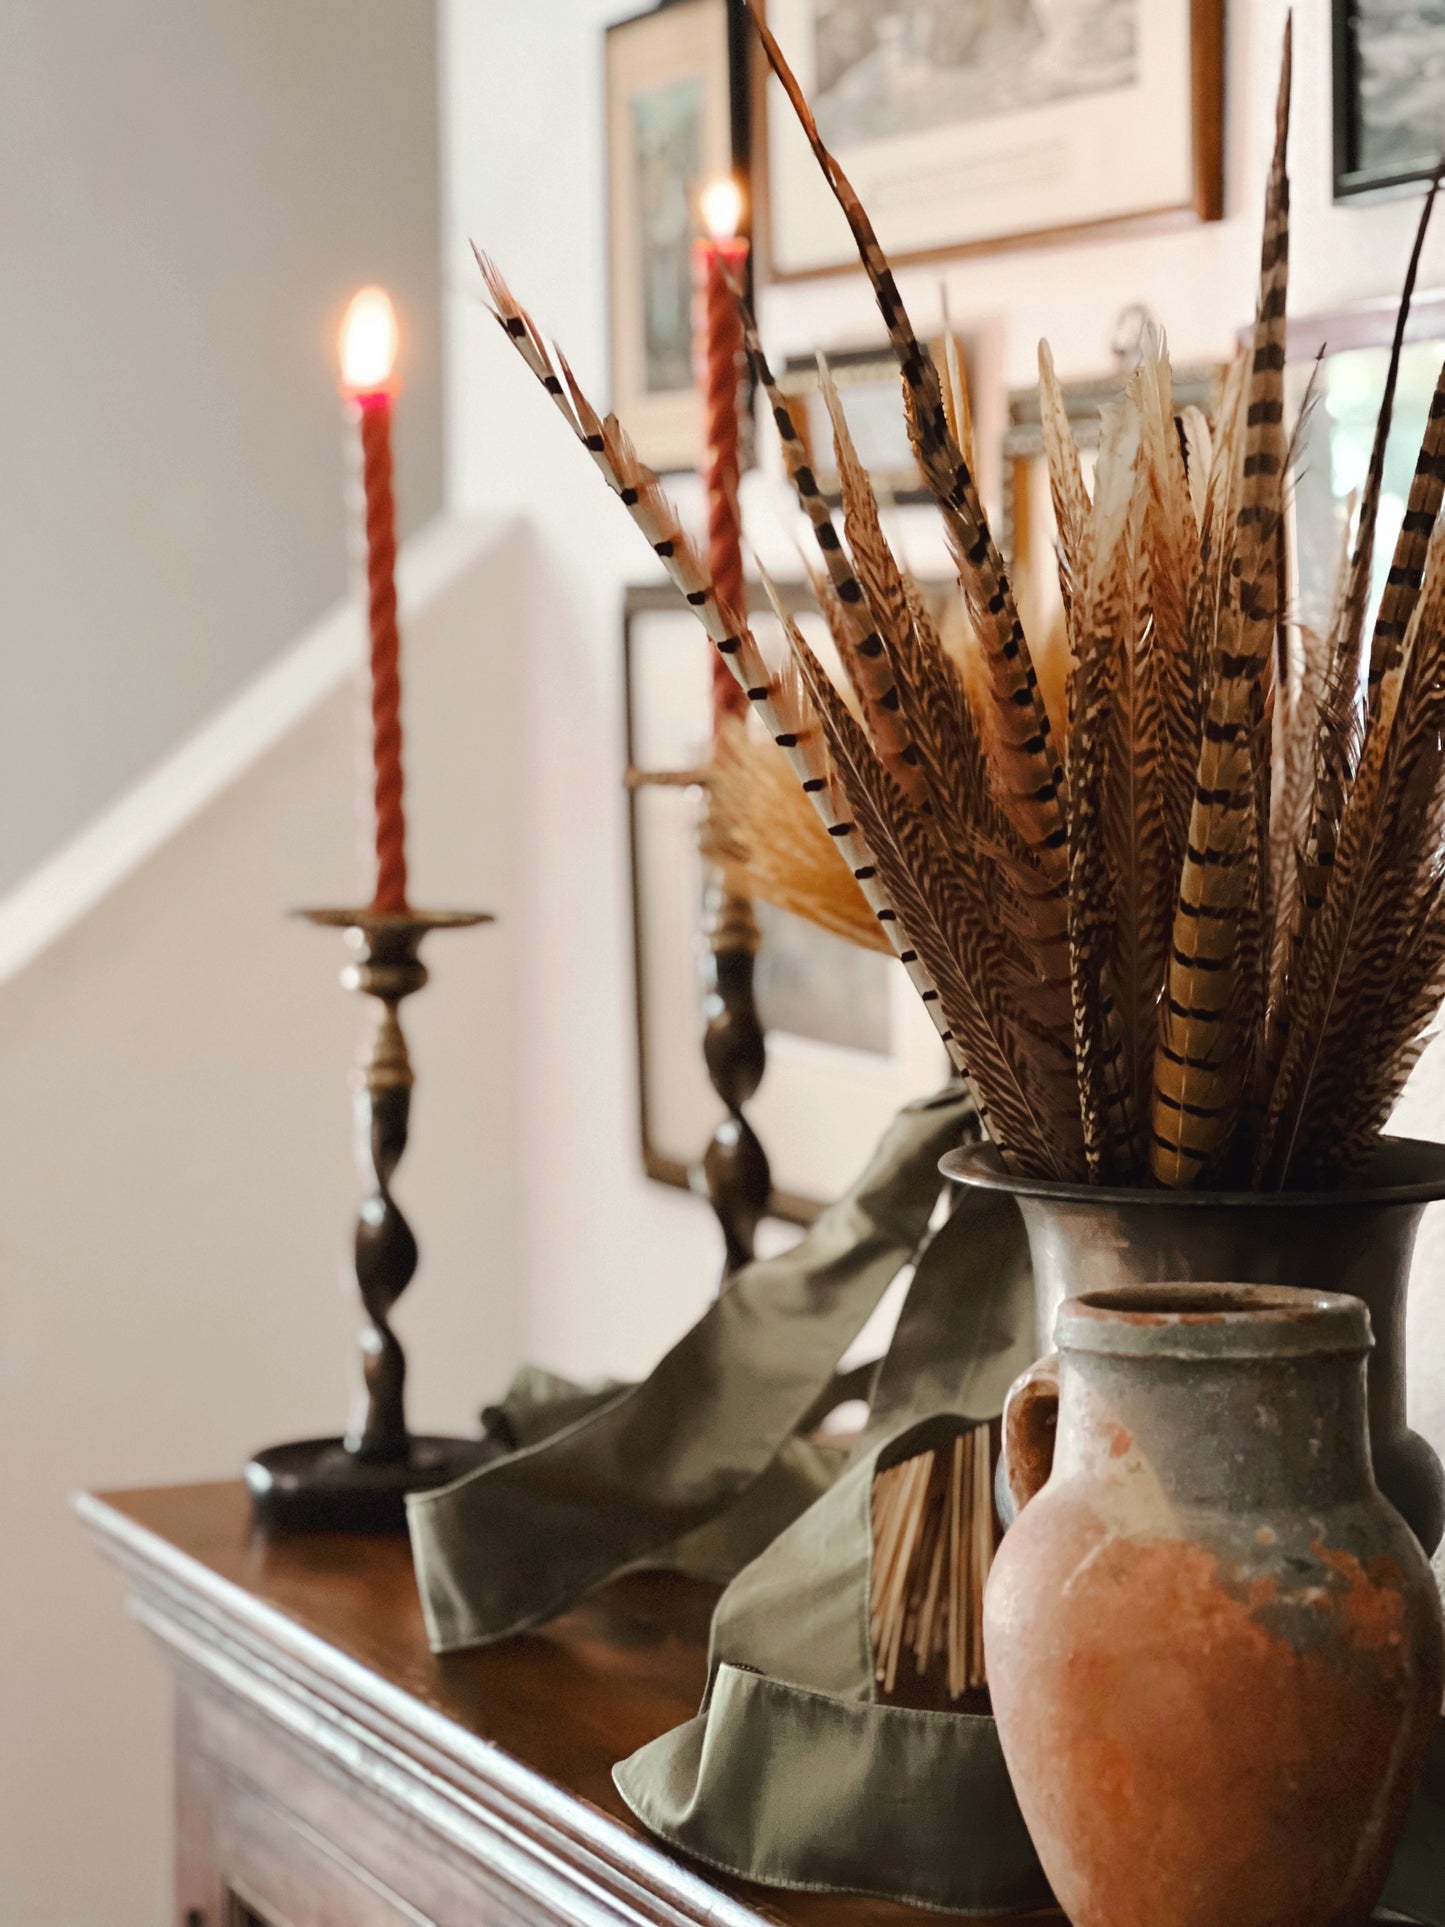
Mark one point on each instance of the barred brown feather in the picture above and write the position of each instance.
(1108, 759)
(1214, 997)
(943, 753)
(1383, 878)
(641, 494)
(1031, 774)
(1341, 711)
(1220, 759)
(865, 656)
(1407, 566)
(1016, 1080)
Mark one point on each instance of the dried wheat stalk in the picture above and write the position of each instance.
(933, 1544)
(763, 833)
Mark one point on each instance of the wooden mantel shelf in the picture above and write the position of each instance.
(331, 1772)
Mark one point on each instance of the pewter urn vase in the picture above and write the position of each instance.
(1085, 1238)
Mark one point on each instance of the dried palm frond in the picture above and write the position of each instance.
(772, 846)
(1211, 951)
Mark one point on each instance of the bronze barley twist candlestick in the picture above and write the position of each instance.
(359, 1483)
(735, 1165)
(733, 1172)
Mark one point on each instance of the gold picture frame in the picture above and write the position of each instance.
(672, 117)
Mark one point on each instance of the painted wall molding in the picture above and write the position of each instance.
(87, 867)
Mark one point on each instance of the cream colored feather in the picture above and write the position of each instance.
(1066, 480)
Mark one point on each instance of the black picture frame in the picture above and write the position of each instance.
(1354, 176)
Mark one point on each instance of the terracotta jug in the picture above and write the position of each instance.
(1214, 1650)
(1086, 1237)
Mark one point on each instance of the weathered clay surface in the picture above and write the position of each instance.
(1215, 1653)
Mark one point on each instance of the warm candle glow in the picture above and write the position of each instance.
(368, 342)
(722, 207)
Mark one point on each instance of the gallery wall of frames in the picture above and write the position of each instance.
(908, 94)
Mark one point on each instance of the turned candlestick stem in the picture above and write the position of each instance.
(386, 967)
(735, 1166)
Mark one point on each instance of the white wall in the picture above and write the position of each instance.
(189, 191)
(617, 1266)
(176, 1147)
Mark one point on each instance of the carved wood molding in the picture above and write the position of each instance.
(551, 1857)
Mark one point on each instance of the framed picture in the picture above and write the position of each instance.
(870, 389)
(1027, 531)
(848, 1041)
(1337, 431)
(1389, 93)
(971, 124)
(676, 119)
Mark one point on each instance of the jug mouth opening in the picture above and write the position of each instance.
(1202, 1321)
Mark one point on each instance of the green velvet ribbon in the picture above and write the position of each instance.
(791, 1773)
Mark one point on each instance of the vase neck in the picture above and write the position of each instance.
(1247, 1433)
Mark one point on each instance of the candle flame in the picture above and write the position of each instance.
(368, 342)
(722, 207)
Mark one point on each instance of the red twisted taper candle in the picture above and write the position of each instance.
(368, 355)
(719, 262)
(375, 413)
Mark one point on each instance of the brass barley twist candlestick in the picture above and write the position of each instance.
(359, 1483)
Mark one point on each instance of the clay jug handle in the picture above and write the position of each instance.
(1030, 1420)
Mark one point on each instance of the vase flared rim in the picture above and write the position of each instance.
(1404, 1171)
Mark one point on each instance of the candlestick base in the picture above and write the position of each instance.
(318, 1485)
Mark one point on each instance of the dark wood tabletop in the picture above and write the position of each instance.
(566, 1702)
